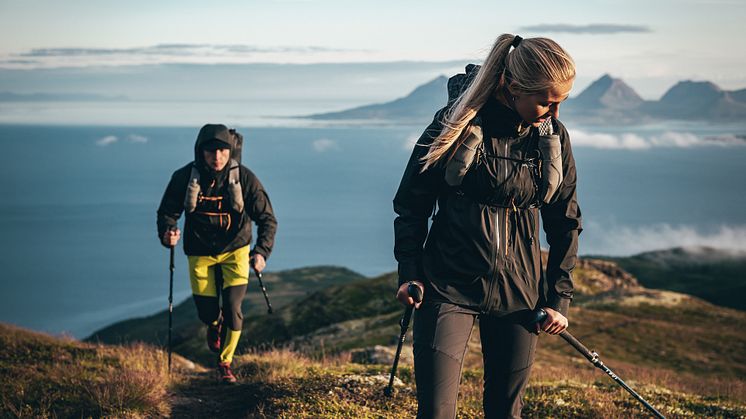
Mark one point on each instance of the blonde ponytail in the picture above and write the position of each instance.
(536, 64)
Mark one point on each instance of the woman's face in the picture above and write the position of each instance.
(536, 107)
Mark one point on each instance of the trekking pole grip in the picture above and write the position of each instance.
(415, 292)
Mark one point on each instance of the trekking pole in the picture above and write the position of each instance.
(592, 356)
(170, 305)
(416, 293)
(264, 291)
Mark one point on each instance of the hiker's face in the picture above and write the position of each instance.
(535, 108)
(217, 159)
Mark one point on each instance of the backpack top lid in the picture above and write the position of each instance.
(238, 145)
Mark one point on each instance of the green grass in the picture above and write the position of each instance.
(684, 355)
(42, 376)
(285, 384)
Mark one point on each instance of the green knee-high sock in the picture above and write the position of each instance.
(229, 346)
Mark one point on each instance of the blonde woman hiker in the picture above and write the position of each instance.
(221, 198)
(493, 162)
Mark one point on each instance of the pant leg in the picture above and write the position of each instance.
(508, 349)
(204, 289)
(232, 313)
(441, 333)
(234, 270)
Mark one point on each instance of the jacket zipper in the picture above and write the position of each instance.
(507, 218)
(495, 254)
(507, 156)
(507, 215)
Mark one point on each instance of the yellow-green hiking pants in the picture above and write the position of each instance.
(230, 272)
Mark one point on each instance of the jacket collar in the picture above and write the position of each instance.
(503, 120)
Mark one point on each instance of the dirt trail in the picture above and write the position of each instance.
(199, 395)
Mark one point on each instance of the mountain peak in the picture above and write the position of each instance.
(689, 90)
(419, 105)
(608, 92)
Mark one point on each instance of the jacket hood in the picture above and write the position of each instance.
(211, 132)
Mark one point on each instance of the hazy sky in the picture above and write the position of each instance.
(650, 44)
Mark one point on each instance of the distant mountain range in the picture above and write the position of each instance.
(606, 100)
(421, 103)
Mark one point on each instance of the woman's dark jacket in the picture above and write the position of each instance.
(482, 250)
(203, 235)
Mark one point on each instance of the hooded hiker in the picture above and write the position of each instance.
(221, 198)
(493, 160)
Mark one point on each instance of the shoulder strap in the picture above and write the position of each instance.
(193, 190)
(234, 186)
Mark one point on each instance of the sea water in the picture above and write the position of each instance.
(78, 245)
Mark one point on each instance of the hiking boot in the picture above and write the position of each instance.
(213, 337)
(225, 375)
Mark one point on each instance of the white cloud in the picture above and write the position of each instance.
(594, 29)
(669, 139)
(135, 138)
(183, 53)
(622, 240)
(410, 141)
(324, 144)
(109, 139)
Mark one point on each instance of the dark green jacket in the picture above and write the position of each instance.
(482, 250)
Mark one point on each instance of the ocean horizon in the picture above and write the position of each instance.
(77, 225)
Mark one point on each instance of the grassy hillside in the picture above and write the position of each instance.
(188, 331)
(684, 355)
(285, 384)
(718, 276)
(42, 376)
(337, 304)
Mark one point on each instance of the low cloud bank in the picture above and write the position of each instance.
(669, 139)
(626, 241)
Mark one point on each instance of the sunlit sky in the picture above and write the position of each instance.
(650, 44)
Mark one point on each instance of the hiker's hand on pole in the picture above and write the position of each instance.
(258, 262)
(555, 322)
(403, 295)
(171, 237)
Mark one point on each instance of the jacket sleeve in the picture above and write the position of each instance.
(259, 209)
(172, 204)
(562, 224)
(414, 203)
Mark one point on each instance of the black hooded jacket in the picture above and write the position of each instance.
(206, 234)
(483, 249)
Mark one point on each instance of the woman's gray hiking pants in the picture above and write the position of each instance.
(441, 333)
